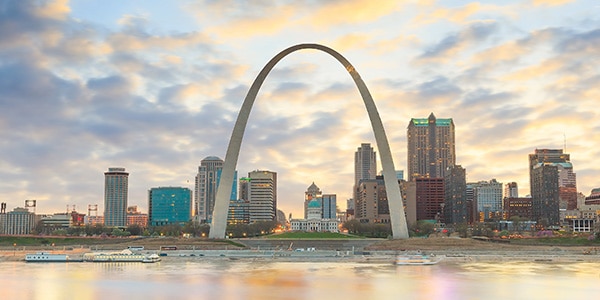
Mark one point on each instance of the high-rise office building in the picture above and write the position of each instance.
(169, 205)
(488, 199)
(431, 147)
(567, 180)
(511, 190)
(371, 203)
(517, 207)
(239, 212)
(425, 199)
(550, 192)
(365, 163)
(329, 206)
(262, 195)
(365, 168)
(115, 197)
(544, 194)
(455, 195)
(206, 185)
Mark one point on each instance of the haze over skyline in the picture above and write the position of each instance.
(156, 86)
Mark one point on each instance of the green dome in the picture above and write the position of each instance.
(314, 204)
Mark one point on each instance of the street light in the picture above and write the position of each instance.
(14, 249)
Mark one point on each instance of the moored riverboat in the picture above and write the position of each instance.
(123, 256)
(152, 258)
(47, 257)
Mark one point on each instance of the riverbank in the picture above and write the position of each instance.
(358, 250)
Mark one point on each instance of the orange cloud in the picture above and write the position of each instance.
(506, 52)
(57, 9)
(456, 15)
(351, 41)
(550, 2)
(536, 71)
(354, 11)
(128, 42)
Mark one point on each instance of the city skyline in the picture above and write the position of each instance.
(153, 88)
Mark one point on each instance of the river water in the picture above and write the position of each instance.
(197, 278)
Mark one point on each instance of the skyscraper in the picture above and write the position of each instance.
(544, 194)
(115, 197)
(329, 206)
(455, 195)
(365, 168)
(262, 195)
(169, 205)
(371, 202)
(431, 147)
(488, 199)
(567, 180)
(365, 163)
(511, 190)
(206, 185)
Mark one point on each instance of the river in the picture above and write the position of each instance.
(200, 278)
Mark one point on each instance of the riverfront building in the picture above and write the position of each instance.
(425, 199)
(365, 163)
(567, 179)
(511, 190)
(371, 205)
(328, 202)
(431, 148)
(312, 192)
(169, 205)
(239, 212)
(315, 221)
(544, 194)
(115, 197)
(17, 222)
(487, 196)
(518, 207)
(205, 188)
(553, 185)
(262, 194)
(206, 184)
(455, 195)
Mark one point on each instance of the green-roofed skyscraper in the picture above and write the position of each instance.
(431, 147)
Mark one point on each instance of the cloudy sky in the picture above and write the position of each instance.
(155, 86)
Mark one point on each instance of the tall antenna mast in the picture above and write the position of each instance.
(565, 141)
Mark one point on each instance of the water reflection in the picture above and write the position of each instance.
(269, 279)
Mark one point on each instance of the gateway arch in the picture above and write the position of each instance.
(397, 217)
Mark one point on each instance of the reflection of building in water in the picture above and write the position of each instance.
(314, 220)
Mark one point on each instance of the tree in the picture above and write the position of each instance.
(421, 228)
(196, 229)
(516, 220)
(120, 232)
(353, 226)
(135, 229)
(462, 229)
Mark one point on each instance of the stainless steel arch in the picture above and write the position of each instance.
(397, 217)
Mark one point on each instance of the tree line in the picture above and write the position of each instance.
(191, 228)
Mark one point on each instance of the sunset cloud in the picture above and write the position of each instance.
(156, 88)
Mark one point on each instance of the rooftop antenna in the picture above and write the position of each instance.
(565, 142)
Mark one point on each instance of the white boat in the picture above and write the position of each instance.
(123, 256)
(152, 258)
(416, 260)
(46, 257)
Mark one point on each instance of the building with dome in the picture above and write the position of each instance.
(314, 220)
